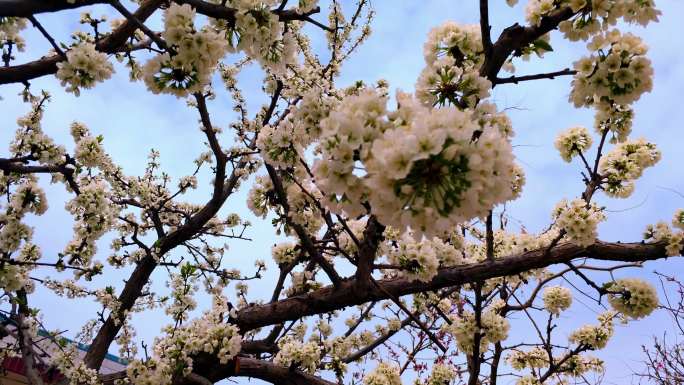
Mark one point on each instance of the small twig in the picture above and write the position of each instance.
(45, 33)
(141, 26)
(411, 315)
(549, 75)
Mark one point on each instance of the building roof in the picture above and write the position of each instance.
(48, 344)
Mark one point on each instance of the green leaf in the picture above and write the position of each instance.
(543, 45)
(187, 269)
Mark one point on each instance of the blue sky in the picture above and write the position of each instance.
(133, 121)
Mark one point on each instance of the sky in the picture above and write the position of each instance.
(133, 121)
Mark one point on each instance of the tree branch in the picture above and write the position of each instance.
(26, 8)
(114, 42)
(328, 299)
(548, 75)
(485, 28)
(515, 37)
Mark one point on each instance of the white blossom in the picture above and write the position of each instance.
(617, 71)
(493, 328)
(84, 67)
(383, 374)
(195, 56)
(624, 164)
(304, 355)
(633, 297)
(595, 336)
(573, 141)
(557, 299)
(579, 219)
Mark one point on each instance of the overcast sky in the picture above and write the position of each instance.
(132, 121)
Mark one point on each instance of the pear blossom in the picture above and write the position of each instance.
(84, 67)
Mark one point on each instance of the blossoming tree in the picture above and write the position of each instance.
(388, 201)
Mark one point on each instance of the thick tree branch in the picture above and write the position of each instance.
(328, 299)
(138, 24)
(114, 42)
(266, 371)
(485, 28)
(516, 37)
(133, 288)
(368, 247)
(240, 367)
(26, 8)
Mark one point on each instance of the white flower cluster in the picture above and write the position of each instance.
(278, 145)
(106, 297)
(283, 145)
(16, 277)
(595, 336)
(615, 118)
(535, 10)
(173, 354)
(580, 364)
(307, 115)
(27, 198)
(72, 367)
(442, 374)
(347, 135)
(258, 32)
(305, 356)
(183, 287)
(302, 282)
(303, 210)
(637, 298)
(578, 220)
(494, 329)
(383, 374)
(486, 114)
(258, 200)
(571, 367)
(94, 215)
(12, 278)
(357, 226)
(624, 164)
(678, 219)
(534, 358)
(617, 73)
(84, 67)
(194, 58)
(528, 380)
(573, 141)
(457, 40)
(427, 169)
(303, 199)
(284, 253)
(453, 54)
(557, 299)
(9, 32)
(31, 140)
(23, 196)
(89, 151)
(420, 260)
(444, 82)
(593, 16)
(661, 232)
(304, 6)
